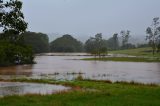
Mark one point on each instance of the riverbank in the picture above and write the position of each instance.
(90, 93)
(124, 59)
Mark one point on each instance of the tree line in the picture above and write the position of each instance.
(96, 45)
(18, 46)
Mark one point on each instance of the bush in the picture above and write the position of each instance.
(11, 54)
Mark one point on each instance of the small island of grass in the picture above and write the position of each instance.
(124, 59)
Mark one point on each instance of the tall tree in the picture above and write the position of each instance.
(115, 41)
(125, 37)
(12, 25)
(153, 35)
(12, 20)
(96, 45)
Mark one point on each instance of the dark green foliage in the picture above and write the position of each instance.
(12, 49)
(96, 45)
(38, 41)
(66, 43)
(113, 42)
(12, 54)
(12, 19)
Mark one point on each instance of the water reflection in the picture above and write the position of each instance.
(17, 88)
(17, 70)
(57, 67)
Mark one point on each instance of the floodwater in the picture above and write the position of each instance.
(17, 88)
(68, 67)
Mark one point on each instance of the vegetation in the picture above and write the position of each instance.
(113, 42)
(125, 39)
(66, 43)
(125, 59)
(38, 41)
(88, 93)
(12, 49)
(96, 45)
(144, 52)
(154, 35)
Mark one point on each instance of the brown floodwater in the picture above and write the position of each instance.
(68, 68)
(18, 88)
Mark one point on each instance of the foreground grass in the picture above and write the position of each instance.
(137, 52)
(125, 59)
(90, 93)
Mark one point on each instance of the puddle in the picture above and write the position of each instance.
(18, 88)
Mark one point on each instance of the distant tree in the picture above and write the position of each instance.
(96, 45)
(153, 35)
(38, 41)
(66, 43)
(142, 45)
(125, 38)
(113, 42)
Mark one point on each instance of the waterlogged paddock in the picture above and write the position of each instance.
(17, 88)
(68, 67)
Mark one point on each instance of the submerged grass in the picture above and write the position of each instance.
(105, 93)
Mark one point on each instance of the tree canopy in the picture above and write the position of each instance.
(66, 43)
(38, 41)
(12, 49)
(96, 45)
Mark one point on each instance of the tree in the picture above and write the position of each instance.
(113, 42)
(96, 45)
(66, 43)
(38, 41)
(12, 20)
(125, 38)
(13, 25)
(153, 35)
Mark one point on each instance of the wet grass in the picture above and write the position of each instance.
(147, 52)
(105, 93)
(125, 59)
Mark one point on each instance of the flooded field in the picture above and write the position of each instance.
(17, 88)
(69, 68)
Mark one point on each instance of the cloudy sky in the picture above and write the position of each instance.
(88, 17)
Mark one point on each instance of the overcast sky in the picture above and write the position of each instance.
(88, 17)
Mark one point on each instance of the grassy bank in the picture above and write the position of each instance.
(137, 52)
(90, 93)
(125, 59)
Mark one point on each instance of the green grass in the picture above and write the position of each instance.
(91, 93)
(137, 52)
(142, 55)
(125, 59)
